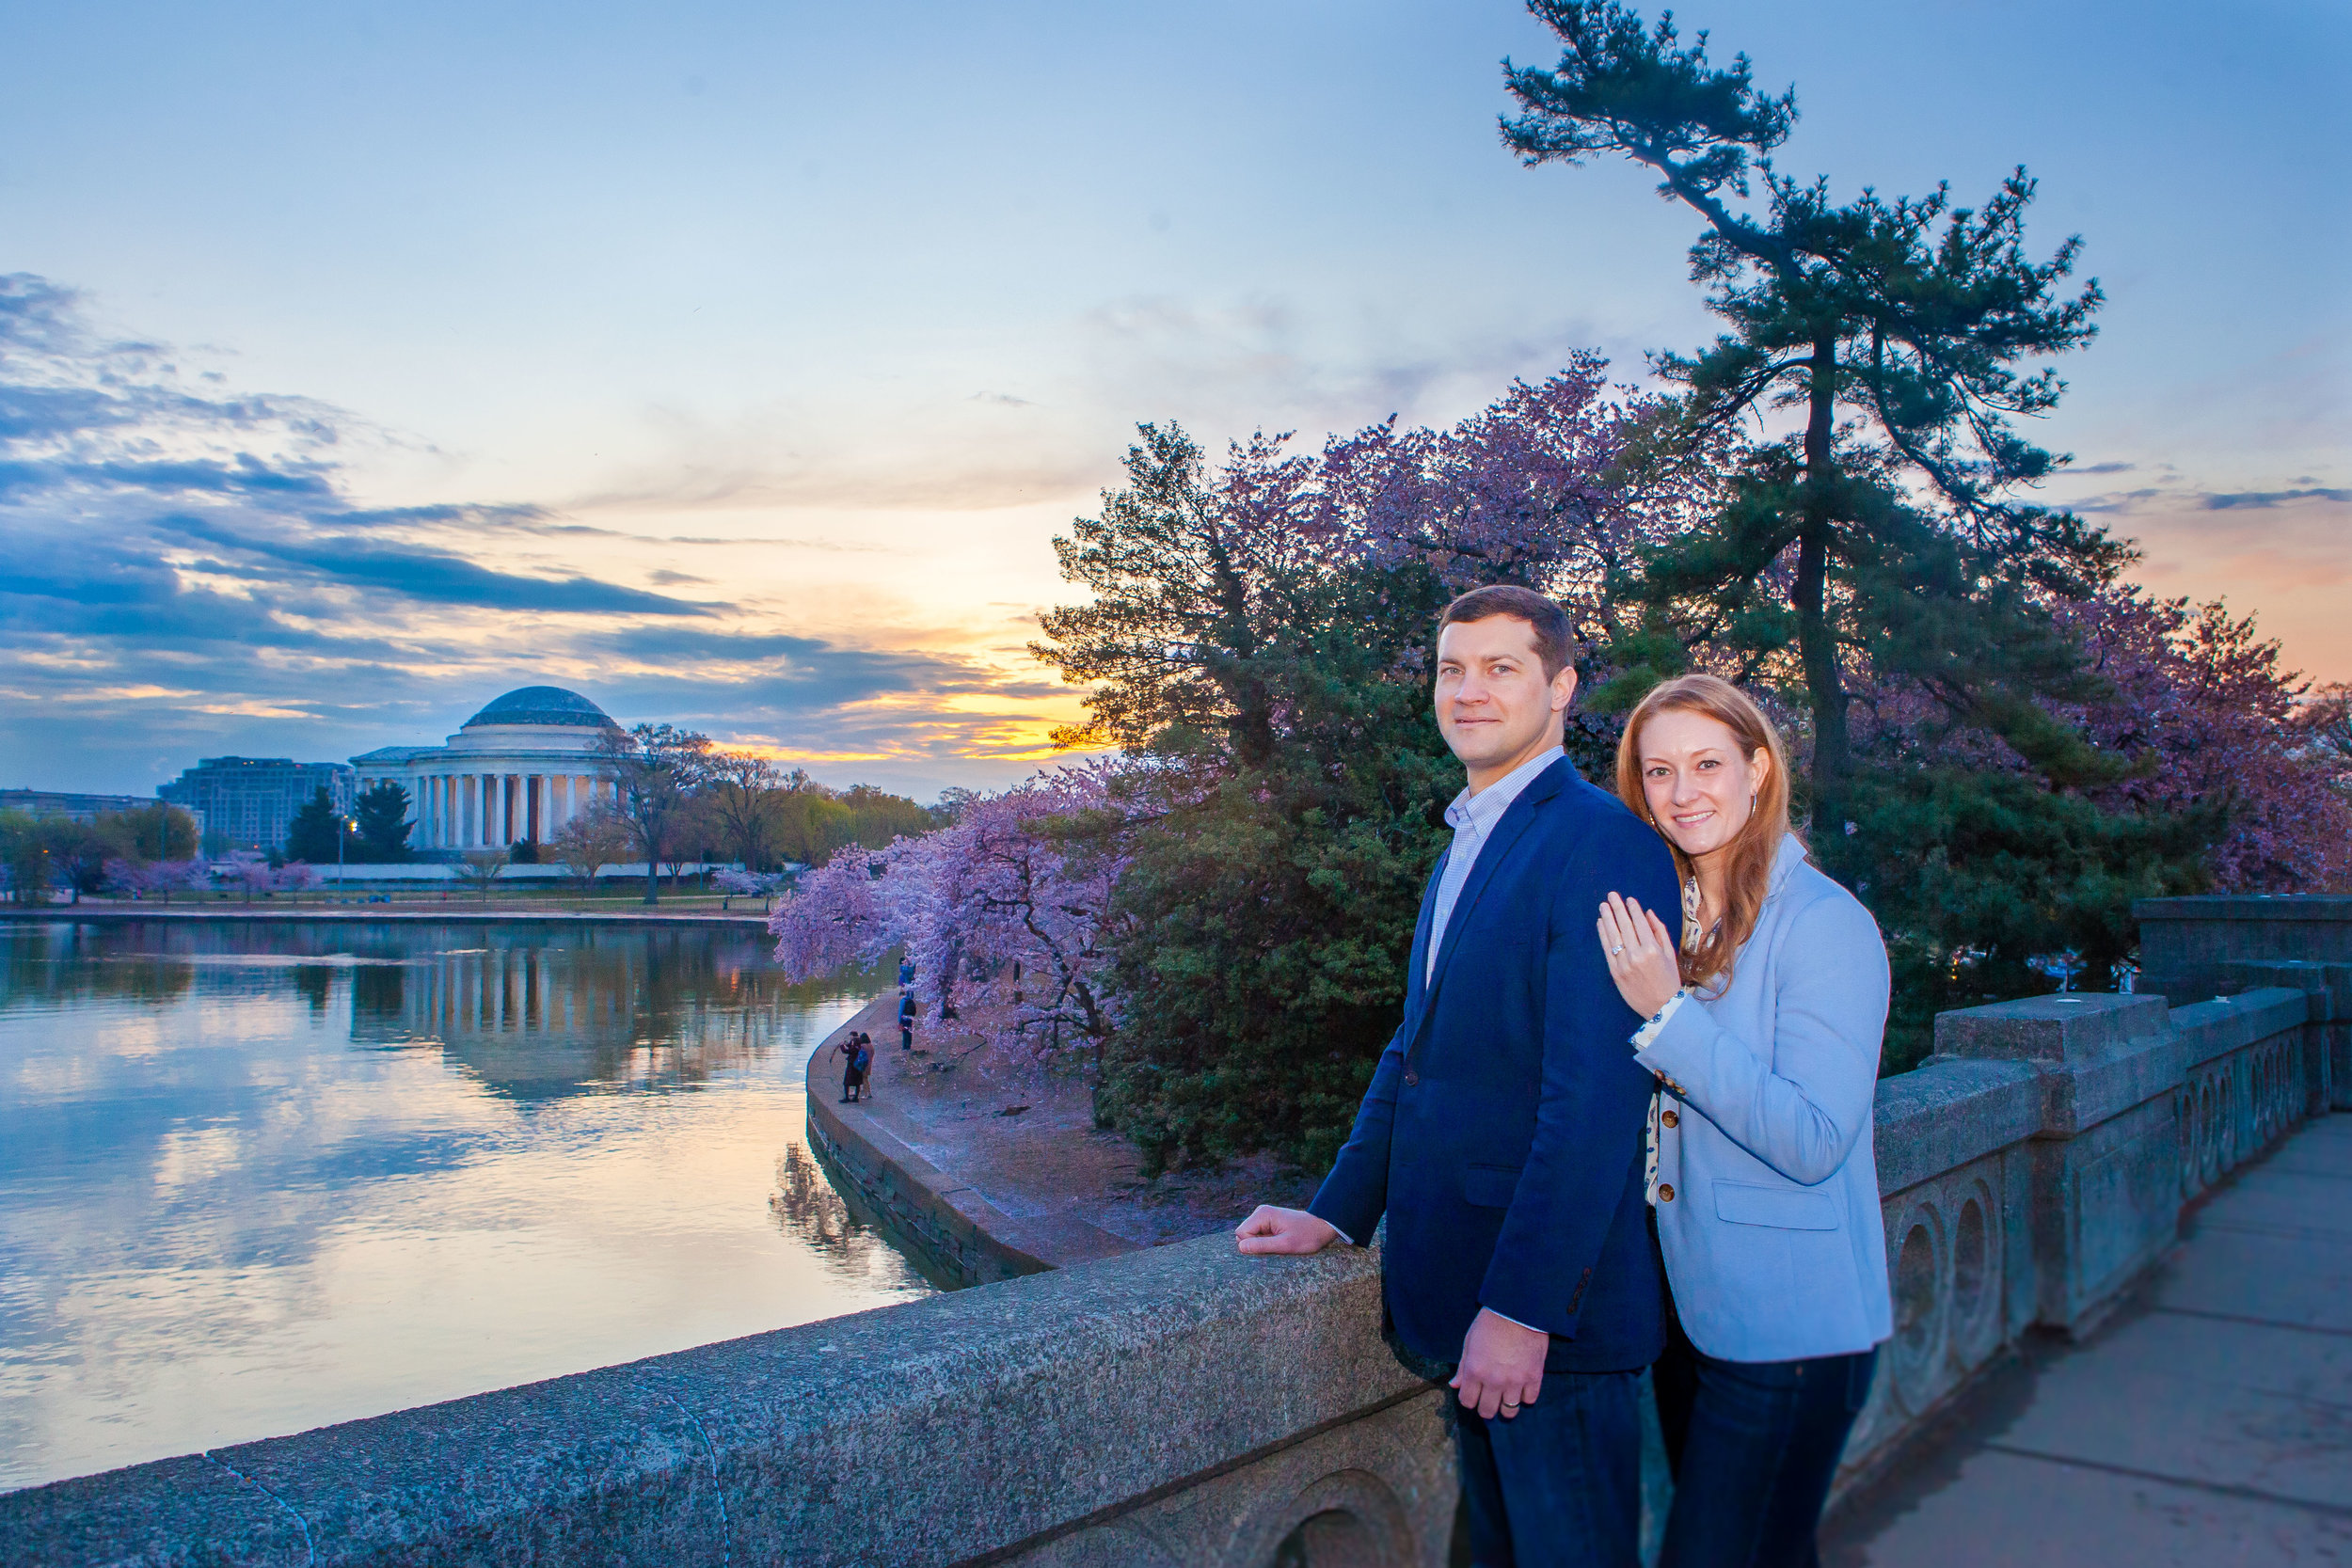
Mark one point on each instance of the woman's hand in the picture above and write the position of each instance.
(1641, 955)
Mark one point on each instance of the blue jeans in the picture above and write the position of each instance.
(1753, 1446)
(1559, 1485)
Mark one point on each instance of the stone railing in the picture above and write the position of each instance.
(2224, 944)
(1176, 1406)
(2036, 1166)
(1183, 1405)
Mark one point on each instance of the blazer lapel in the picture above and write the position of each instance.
(1491, 855)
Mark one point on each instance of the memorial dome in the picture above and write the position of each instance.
(542, 704)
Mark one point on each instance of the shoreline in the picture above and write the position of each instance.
(382, 914)
(996, 1177)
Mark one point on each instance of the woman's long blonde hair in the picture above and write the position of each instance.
(1707, 956)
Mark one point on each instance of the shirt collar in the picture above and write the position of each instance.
(1480, 810)
(1791, 854)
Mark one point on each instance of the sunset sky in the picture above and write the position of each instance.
(735, 365)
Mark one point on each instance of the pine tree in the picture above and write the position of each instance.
(1881, 549)
(383, 815)
(311, 836)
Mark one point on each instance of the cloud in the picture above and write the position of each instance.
(429, 577)
(187, 572)
(2270, 498)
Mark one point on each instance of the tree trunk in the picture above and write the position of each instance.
(1816, 639)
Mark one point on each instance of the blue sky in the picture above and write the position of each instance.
(736, 364)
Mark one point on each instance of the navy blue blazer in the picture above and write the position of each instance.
(1503, 1132)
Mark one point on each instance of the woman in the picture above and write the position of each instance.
(1766, 1002)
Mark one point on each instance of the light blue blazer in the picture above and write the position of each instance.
(1772, 1237)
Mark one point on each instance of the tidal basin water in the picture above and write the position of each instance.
(256, 1179)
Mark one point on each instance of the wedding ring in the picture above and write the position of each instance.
(1510, 1404)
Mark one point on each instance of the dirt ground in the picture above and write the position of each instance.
(1028, 1143)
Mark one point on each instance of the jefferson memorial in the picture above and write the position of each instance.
(517, 770)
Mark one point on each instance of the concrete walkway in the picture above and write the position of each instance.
(2209, 1424)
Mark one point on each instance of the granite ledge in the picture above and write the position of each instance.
(1018, 1407)
(2214, 1028)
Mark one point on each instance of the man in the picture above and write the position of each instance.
(906, 1021)
(1503, 1132)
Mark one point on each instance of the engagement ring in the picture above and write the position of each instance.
(1616, 951)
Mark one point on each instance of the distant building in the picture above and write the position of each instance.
(248, 802)
(55, 802)
(517, 770)
(81, 808)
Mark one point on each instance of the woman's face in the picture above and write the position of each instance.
(1697, 781)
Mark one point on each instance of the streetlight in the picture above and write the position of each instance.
(342, 836)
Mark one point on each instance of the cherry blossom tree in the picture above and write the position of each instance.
(1004, 913)
(1556, 485)
(746, 884)
(2323, 726)
(250, 870)
(295, 877)
(159, 878)
(2202, 704)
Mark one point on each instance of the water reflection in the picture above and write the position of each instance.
(599, 1013)
(807, 1209)
(254, 1178)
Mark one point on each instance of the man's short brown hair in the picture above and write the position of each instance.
(1553, 639)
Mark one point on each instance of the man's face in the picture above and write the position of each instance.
(1495, 706)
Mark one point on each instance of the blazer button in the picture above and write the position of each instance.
(1411, 1078)
(1665, 1192)
(1669, 1118)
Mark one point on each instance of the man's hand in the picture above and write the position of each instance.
(1292, 1233)
(1502, 1365)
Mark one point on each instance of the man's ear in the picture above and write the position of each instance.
(1564, 688)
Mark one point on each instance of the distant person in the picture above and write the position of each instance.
(847, 1049)
(857, 1054)
(1502, 1133)
(906, 1021)
(906, 973)
(1767, 1001)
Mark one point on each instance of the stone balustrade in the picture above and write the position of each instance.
(2223, 944)
(1184, 1405)
(2035, 1167)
